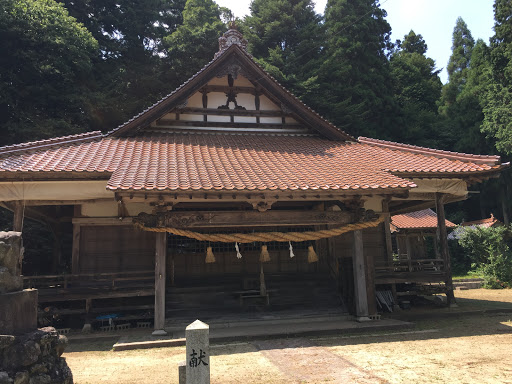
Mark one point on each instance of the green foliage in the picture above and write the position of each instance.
(285, 36)
(462, 46)
(417, 88)
(356, 89)
(498, 114)
(195, 42)
(45, 67)
(130, 71)
(413, 43)
(490, 251)
(464, 96)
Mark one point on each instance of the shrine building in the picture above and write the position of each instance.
(228, 194)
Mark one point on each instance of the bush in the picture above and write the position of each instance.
(490, 252)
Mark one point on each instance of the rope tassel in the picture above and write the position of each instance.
(312, 256)
(238, 254)
(210, 257)
(264, 255)
(292, 255)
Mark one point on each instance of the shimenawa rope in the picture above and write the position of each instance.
(264, 236)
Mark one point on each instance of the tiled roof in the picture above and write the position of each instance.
(465, 157)
(486, 223)
(81, 137)
(424, 219)
(232, 162)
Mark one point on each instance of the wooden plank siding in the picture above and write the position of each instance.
(115, 249)
(226, 263)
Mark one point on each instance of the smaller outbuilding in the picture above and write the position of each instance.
(415, 243)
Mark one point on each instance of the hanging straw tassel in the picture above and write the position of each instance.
(238, 254)
(292, 255)
(312, 256)
(264, 255)
(210, 257)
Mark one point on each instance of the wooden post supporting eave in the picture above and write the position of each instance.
(160, 257)
(389, 245)
(75, 251)
(443, 240)
(387, 231)
(18, 216)
(361, 297)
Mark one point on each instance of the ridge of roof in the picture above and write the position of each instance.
(220, 55)
(45, 143)
(484, 159)
(490, 220)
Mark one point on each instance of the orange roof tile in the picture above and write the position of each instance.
(424, 219)
(486, 223)
(231, 162)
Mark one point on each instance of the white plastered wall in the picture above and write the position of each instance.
(54, 190)
(110, 209)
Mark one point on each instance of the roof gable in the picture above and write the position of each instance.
(232, 75)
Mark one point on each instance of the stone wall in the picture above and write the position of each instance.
(34, 358)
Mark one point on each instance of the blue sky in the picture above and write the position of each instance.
(433, 19)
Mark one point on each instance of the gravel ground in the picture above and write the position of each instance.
(462, 349)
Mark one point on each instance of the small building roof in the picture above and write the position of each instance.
(425, 219)
(486, 223)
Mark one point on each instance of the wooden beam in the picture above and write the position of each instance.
(443, 240)
(231, 112)
(18, 216)
(102, 221)
(361, 297)
(223, 125)
(65, 202)
(160, 257)
(187, 196)
(215, 219)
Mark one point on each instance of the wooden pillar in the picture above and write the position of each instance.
(160, 256)
(443, 240)
(389, 245)
(387, 231)
(18, 216)
(361, 297)
(75, 252)
(409, 251)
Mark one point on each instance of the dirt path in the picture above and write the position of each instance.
(303, 362)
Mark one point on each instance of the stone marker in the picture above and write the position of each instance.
(198, 353)
(182, 372)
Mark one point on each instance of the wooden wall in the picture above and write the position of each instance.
(193, 264)
(108, 249)
(340, 261)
